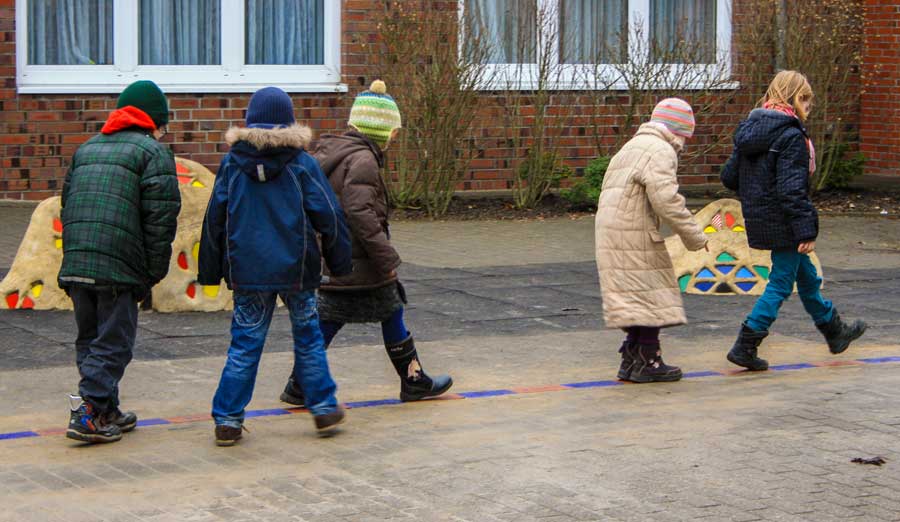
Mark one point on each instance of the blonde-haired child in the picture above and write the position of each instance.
(770, 168)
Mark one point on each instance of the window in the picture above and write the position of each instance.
(81, 46)
(577, 34)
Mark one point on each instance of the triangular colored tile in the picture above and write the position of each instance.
(36, 289)
(746, 286)
(706, 274)
(211, 290)
(725, 257)
(703, 286)
(763, 271)
(683, 281)
(724, 288)
(725, 269)
(743, 272)
(710, 230)
(738, 229)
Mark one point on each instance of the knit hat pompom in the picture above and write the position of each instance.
(270, 108)
(148, 97)
(375, 114)
(677, 115)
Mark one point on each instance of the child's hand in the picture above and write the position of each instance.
(806, 247)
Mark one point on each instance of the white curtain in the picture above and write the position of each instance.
(180, 32)
(593, 31)
(285, 32)
(689, 21)
(70, 32)
(506, 27)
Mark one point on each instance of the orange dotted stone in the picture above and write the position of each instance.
(191, 291)
(182, 261)
(57, 225)
(27, 303)
(184, 180)
(181, 169)
(729, 219)
(12, 300)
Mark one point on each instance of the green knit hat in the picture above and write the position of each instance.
(375, 114)
(146, 96)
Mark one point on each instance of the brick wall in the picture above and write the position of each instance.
(39, 133)
(880, 114)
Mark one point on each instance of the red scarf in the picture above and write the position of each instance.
(787, 109)
(126, 117)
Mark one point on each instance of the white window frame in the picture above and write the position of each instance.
(231, 76)
(571, 77)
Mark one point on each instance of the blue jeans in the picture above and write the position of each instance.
(789, 267)
(249, 325)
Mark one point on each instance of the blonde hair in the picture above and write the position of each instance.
(789, 88)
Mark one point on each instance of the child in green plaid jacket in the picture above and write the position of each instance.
(120, 204)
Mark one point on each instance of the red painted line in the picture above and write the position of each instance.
(49, 432)
(838, 363)
(189, 418)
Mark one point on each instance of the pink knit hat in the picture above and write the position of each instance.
(676, 114)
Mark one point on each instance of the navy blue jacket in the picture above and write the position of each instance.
(769, 169)
(267, 206)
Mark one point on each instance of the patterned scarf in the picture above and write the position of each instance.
(787, 109)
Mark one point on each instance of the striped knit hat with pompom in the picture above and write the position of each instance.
(375, 114)
(677, 115)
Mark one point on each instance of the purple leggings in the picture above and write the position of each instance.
(646, 335)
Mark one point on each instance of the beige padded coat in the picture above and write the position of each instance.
(640, 188)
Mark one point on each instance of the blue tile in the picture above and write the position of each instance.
(266, 413)
(592, 384)
(152, 422)
(693, 375)
(789, 367)
(879, 360)
(18, 435)
(372, 404)
(485, 393)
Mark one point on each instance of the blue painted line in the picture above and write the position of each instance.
(485, 393)
(266, 413)
(879, 360)
(790, 367)
(18, 435)
(593, 384)
(372, 404)
(695, 375)
(152, 422)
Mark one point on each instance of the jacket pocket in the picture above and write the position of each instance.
(656, 237)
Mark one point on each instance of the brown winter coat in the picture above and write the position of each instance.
(352, 163)
(640, 188)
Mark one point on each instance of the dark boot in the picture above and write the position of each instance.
(628, 356)
(327, 424)
(839, 334)
(292, 393)
(126, 421)
(86, 425)
(743, 353)
(415, 384)
(228, 435)
(649, 366)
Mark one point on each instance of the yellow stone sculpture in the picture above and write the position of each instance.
(731, 266)
(31, 281)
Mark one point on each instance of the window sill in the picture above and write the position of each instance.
(580, 86)
(198, 88)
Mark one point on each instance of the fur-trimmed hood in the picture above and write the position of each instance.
(296, 137)
(262, 154)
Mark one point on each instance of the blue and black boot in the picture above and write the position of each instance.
(87, 425)
(415, 384)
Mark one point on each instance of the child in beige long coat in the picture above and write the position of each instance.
(640, 189)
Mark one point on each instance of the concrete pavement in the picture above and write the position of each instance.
(537, 429)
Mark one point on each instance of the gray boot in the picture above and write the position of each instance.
(839, 334)
(744, 351)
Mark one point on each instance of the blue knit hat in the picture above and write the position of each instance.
(270, 108)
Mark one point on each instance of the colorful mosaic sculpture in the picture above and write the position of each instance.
(31, 281)
(731, 266)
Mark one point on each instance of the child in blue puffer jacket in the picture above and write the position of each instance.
(268, 205)
(770, 168)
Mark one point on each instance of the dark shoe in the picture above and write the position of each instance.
(839, 334)
(126, 421)
(628, 356)
(86, 425)
(425, 387)
(228, 435)
(292, 393)
(327, 424)
(744, 351)
(649, 366)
